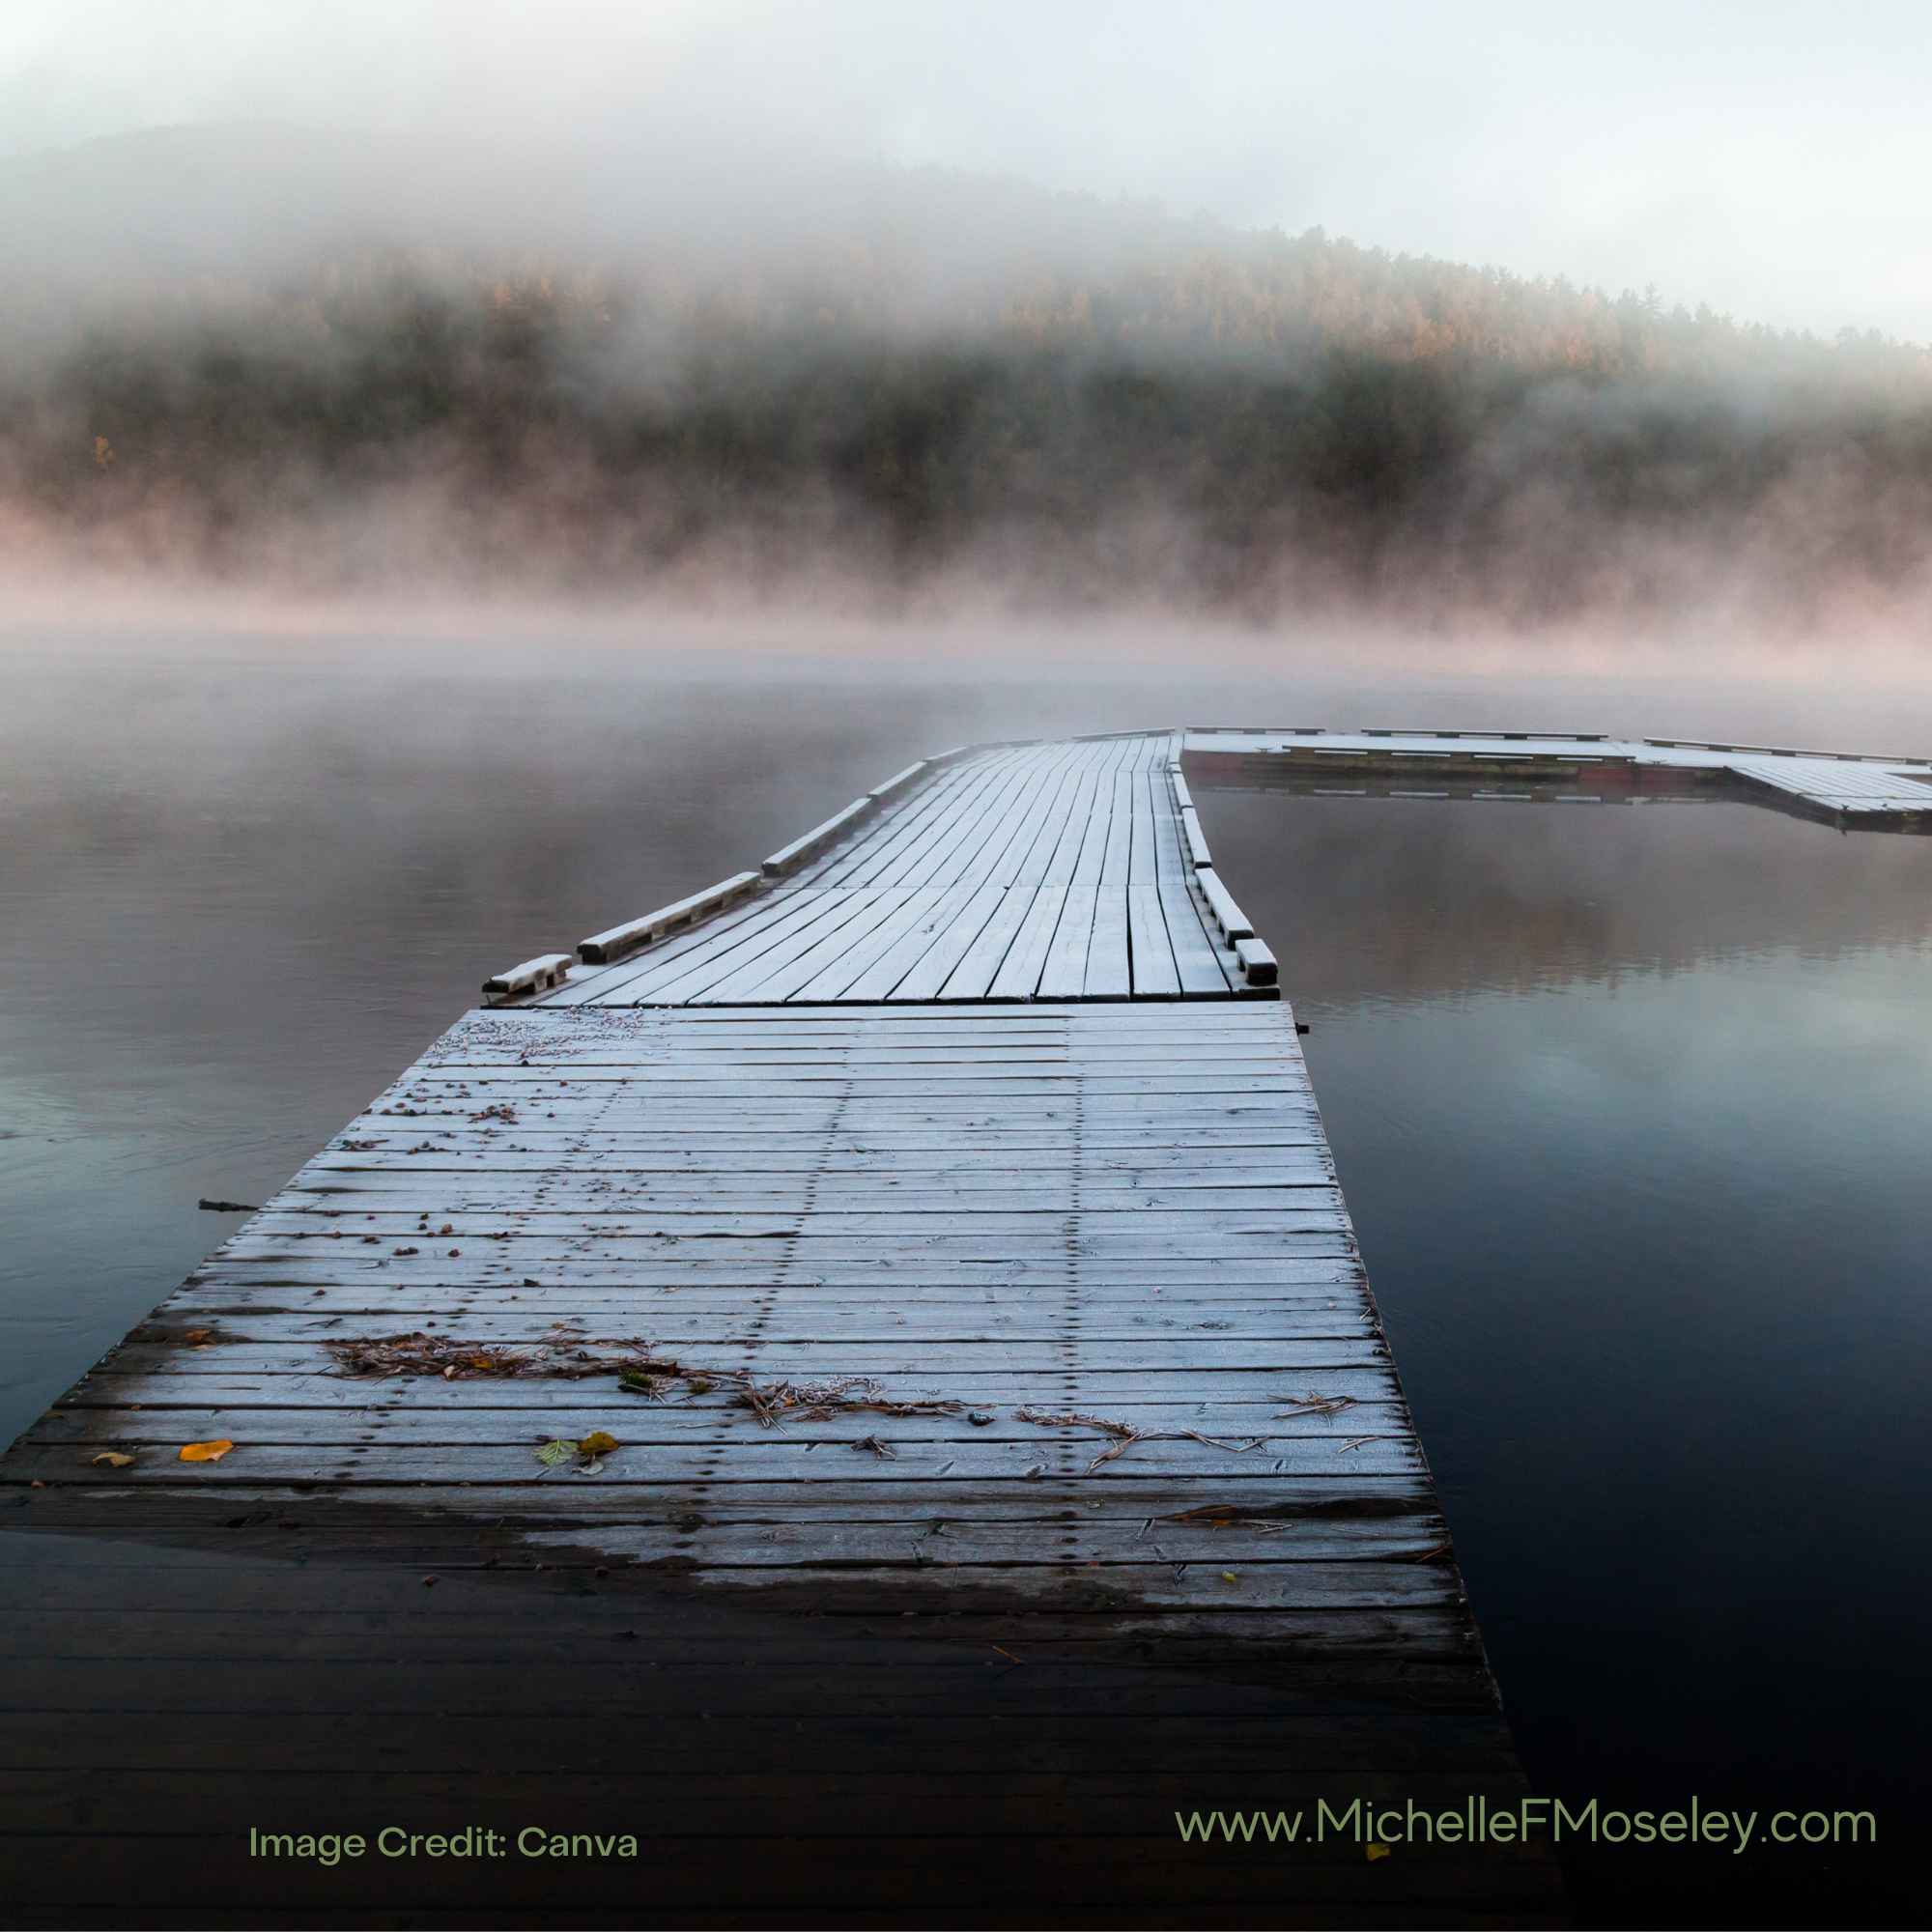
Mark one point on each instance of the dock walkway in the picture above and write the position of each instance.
(1059, 871)
(1003, 1451)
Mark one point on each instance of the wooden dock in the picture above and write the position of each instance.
(863, 1379)
(1849, 790)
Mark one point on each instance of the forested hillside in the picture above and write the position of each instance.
(1201, 417)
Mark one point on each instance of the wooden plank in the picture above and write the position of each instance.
(501, 1192)
(604, 948)
(641, 1426)
(533, 975)
(897, 1358)
(788, 858)
(1143, 865)
(1232, 920)
(1152, 954)
(1198, 850)
(1042, 1041)
(754, 1456)
(1109, 968)
(899, 781)
(1063, 972)
(1197, 960)
(1257, 963)
(1106, 1390)
(1171, 861)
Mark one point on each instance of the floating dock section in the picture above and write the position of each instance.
(1853, 792)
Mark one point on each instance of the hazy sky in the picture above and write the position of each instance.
(1770, 159)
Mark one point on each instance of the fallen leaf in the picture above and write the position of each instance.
(1228, 1576)
(599, 1442)
(554, 1452)
(197, 1338)
(206, 1451)
(112, 1458)
(1375, 1849)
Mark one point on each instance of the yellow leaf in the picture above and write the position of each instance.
(1228, 1576)
(206, 1451)
(597, 1443)
(112, 1458)
(1375, 1849)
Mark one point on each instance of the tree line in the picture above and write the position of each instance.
(1244, 423)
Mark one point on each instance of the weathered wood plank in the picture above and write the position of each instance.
(1154, 975)
(808, 844)
(533, 975)
(1279, 1396)
(605, 948)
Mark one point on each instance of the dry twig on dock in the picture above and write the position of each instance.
(1126, 1435)
(818, 1401)
(1312, 1404)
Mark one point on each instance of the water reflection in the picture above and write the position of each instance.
(1418, 898)
(1634, 1109)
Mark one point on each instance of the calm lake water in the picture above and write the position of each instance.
(1633, 1104)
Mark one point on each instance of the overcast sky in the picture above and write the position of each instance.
(1771, 159)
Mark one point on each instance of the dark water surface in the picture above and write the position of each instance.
(1633, 1104)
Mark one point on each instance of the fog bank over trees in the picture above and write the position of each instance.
(255, 354)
